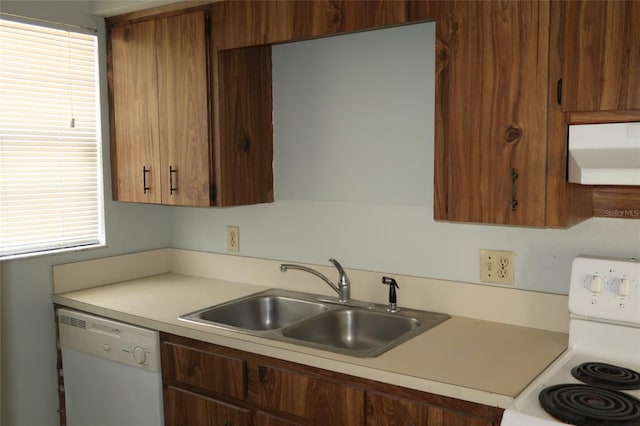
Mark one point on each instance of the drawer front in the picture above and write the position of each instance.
(203, 370)
(386, 410)
(314, 399)
(183, 408)
(265, 419)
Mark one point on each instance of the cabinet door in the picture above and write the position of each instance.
(184, 408)
(183, 109)
(135, 152)
(244, 148)
(314, 399)
(601, 61)
(491, 111)
(202, 370)
(385, 410)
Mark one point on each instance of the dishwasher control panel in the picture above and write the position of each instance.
(124, 343)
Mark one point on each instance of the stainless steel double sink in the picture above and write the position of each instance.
(353, 328)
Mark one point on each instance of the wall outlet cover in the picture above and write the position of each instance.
(497, 266)
(233, 238)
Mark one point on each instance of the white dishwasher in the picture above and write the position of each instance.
(111, 372)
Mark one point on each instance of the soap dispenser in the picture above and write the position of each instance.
(392, 293)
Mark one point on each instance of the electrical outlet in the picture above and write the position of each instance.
(233, 238)
(496, 266)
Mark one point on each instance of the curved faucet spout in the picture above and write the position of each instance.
(343, 287)
(343, 281)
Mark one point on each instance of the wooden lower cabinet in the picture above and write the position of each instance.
(387, 410)
(309, 397)
(266, 419)
(207, 384)
(184, 408)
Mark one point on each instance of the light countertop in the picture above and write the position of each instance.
(477, 360)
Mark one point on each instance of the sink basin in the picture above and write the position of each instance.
(360, 332)
(263, 311)
(354, 328)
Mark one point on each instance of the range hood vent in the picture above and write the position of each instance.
(604, 154)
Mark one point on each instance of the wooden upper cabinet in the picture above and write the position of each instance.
(491, 112)
(601, 55)
(169, 144)
(134, 113)
(184, 139)
(257, 22)
(159, 111)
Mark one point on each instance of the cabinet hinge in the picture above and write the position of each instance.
(213, 192)
(207, 25)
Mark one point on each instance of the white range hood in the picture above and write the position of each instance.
(604, 154)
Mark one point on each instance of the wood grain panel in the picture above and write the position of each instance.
(319, 401)
(244, 140)
(602, 55)
(591, 117)
(566, 203)
(164, 10)
(491, 111)
(134, 115)
(201, 369)
(387, 410)
(265, 419)
(249, 23)
(183, 408)
(617, 202)
(183, 108)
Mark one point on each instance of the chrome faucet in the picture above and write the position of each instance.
(344, 286)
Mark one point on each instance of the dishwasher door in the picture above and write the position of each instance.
(111, 372)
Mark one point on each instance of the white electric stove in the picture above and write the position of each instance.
(596, 381)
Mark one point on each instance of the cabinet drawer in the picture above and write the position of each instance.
(203, 370)
(183, 408)
(315, 399)
(386, 410)
(265, 419)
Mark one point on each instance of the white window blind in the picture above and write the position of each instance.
(50, 149)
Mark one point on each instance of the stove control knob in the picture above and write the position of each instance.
(597, 284)
(139, 355)
(624, 288)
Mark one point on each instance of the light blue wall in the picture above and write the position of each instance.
(353, 171)
(29, 382)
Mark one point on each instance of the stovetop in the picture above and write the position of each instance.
(604, 304)
(527, 410)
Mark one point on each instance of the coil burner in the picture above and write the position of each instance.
(584, 405)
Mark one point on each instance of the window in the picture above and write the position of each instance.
(50, 149)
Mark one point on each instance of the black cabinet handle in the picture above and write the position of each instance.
(514, 199)
(559, 92)
(145, 188)
(172, 172)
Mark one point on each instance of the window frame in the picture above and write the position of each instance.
(96, 235)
